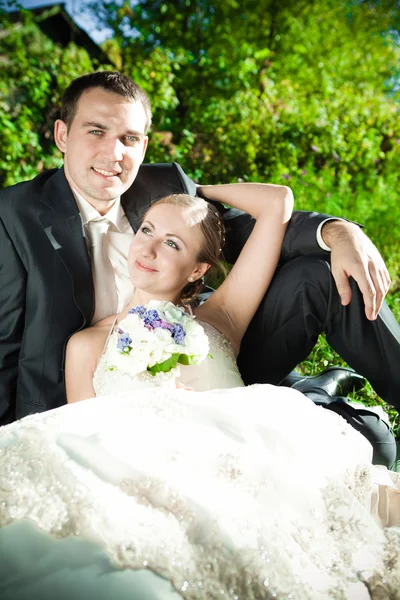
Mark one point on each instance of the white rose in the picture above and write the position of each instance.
(137, 360)
(140, 335)
(196, 341)
(133, 321)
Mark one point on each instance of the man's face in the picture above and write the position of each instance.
(103, 147)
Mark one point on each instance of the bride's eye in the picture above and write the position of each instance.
(172, 244)
(145, 230)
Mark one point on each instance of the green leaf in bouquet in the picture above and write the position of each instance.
(185, 359)
(190, 359)
(165, 366)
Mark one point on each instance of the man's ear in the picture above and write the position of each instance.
(60, 135)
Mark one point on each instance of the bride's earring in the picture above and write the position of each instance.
(191, 279)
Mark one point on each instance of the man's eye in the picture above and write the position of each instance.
(96, 132)
(133, 140)
(172, 244)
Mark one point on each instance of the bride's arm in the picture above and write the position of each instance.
(233, 305)
(83, 351)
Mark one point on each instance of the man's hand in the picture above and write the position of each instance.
(354, 255)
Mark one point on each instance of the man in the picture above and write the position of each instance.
(64, 238)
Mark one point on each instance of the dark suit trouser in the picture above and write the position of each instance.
(303, 302)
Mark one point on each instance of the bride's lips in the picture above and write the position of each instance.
(144, 268)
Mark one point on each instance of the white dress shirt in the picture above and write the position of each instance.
(119, 237)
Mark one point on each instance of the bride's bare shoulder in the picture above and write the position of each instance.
(91, 339)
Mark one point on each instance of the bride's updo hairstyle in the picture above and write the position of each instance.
(202, 213)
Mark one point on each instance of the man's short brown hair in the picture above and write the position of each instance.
(111, 81)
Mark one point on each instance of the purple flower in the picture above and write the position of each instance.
(124, 341)
(286, 176)
(150, 317)
(140, 310)
(165, 325)
(179, 334)
(315, 148)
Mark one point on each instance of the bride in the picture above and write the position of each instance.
(155, 492)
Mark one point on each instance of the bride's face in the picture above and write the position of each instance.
(163, 254)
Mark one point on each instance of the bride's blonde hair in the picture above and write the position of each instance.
(207, 217)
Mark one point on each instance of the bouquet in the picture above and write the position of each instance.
(153, 340)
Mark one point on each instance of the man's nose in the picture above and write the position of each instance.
(114, 150)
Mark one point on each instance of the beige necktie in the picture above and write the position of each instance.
(105, 292)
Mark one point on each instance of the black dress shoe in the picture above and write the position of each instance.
(335, 381)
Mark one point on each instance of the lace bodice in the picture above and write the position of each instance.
(218, 371)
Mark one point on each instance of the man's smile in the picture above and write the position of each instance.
(107, 174)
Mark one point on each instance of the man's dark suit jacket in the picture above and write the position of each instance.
(46, 286)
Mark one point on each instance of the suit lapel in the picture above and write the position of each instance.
(63, 226)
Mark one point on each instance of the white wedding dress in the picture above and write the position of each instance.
(166, 494)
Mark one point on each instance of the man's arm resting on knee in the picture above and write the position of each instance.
(352, 254)
(12, 309)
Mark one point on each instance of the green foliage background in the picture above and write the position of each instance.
(304, 92)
